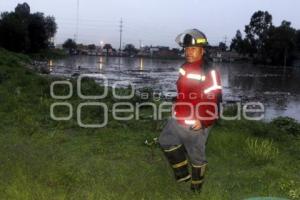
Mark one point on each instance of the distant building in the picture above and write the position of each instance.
(59, 46)
(216, 54)
(144, 51)
(154, 51)
(159, 52)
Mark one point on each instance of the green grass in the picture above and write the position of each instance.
(49, 54)
(261, 150)
(45, 159)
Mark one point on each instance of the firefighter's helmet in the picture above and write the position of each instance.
(191, 37)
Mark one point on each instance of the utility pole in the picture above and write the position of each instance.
(225, 40)
(121, 31)
(77, 21)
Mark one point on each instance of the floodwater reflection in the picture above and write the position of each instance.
(275, 87)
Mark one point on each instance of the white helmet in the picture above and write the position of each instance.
(191, 37)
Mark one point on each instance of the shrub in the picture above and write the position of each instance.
(287, 124)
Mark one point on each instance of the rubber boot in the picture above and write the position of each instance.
(197, 177)
(179, 163)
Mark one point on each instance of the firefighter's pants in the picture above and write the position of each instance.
(194, 142)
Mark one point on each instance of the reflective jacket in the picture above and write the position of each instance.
(199, 95)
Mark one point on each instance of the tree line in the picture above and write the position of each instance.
(26, 32)
(72, 46)
(266, 43)
(22, 31)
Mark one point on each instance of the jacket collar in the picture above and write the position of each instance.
(194, 64)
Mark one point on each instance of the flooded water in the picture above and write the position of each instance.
(277, 88)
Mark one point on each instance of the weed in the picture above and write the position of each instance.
(260, 150)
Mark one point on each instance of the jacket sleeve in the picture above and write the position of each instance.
(211, 95)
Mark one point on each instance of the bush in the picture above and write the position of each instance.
(287, 124)
(261, 150)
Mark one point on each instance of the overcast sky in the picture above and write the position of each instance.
(155, 22)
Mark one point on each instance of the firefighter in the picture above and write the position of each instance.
(195, 110)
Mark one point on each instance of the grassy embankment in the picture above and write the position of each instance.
(45, 159)
(49, 54)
